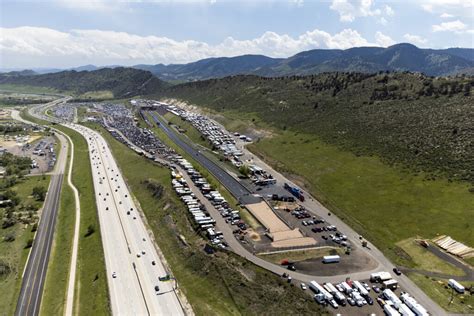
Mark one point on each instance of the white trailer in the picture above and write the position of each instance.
(405, 310)
(380, 276)
(347, 288)
(456, 286)
(413, 305)
(340, 298)
(362, 290)
(389, 295)
(331, 259)
(390, 311)
(317, 288)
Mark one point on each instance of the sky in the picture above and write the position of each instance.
(71, 33)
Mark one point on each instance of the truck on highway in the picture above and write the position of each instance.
(295, 191)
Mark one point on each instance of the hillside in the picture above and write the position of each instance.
(405, 118)
(400, 57)
(122, 82)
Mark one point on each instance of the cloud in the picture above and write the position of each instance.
(389, 11)
(446, 16)
(25, 46)
(453, 26)
(348, 10)
(298, 3)
(449, 8)
(383, 40)
(415, 39)
(383, 21)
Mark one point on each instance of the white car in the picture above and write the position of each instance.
(114, 274)
(303, 286)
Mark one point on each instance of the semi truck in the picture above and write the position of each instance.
(295, 191)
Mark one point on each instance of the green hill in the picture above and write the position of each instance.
(422, 122)
(122, 82)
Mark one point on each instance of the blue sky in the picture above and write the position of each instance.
(68, 33)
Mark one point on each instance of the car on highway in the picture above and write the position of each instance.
(114, 274)
(138, 255)
(397, 271)
(153, 263)
(157, 288)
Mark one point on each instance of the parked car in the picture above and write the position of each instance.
(303, 286)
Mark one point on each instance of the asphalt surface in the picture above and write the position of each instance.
(237, 189)
(36, 268)
(129, 252)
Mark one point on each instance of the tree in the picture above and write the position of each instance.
(39, 192)
(244, 170)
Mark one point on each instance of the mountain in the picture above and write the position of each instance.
(211, 67)
(122, 82)
(400, 57)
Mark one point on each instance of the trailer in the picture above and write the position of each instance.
(362, 290)
(405, 310)
(389, 295)
(347, 288)
(331, 259)
(390, 311)
(340, 298)
(380, 276)
(390, 284)
(456, 286)
(413, 305)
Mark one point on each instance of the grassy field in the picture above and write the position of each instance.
(97, 95)
(300, 255)
(437, 289)
(222, 284)
(13, 253)
(53, 302)
(425, 260)
(26, 89)
(191, 131)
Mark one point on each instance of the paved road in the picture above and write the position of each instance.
(316, 208)
(239, 191)
(129, 252)
(35, 272)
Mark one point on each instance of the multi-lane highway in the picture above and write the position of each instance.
(34, 274)
(132, 262)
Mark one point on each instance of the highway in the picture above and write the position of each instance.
(129, 252)
(36, 268)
